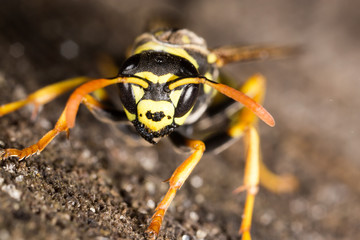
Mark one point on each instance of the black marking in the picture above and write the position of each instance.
(159, 63)
(131, 64)
(156, 117)
(156, 93)
(149, 135)
(217, 141)
(127, 97)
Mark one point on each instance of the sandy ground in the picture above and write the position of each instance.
(97, 187)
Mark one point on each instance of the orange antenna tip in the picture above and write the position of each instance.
(248, 102)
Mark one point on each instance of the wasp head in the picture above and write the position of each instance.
(151, 106)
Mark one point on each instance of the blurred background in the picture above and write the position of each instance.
(96, 187)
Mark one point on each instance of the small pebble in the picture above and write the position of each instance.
(19, 178)
(150, 203)
(150, 187)
(16, 50)
(194, 216)
(69, 49)
(9, 167)
(196, 181)
(199, 198)
(200, 234)
(318, 211)
(298, 206)
(4, 234)
(147, 159)
(185, 237)
(267, 217)
(12, 191)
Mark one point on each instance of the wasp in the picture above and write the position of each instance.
(166, 87)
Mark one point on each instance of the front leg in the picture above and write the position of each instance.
(67, 118)
(176, 181)
(40, 145)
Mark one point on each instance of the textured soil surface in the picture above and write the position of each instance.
(97, 186)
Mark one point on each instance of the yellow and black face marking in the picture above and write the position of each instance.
(156, 110)
(168, 81)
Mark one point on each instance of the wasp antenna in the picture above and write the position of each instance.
(183, 81)
(238, 96)
(76, 97)
(248, 102)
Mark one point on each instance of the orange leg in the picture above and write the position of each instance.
(251, 179)
(40, 145)
(43, 95)
(68, 115)
(255, 170)
(176, 181)
(284, 183)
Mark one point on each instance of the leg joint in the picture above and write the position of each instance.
(197, 145)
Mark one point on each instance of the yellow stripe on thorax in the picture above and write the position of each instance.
(172, 50)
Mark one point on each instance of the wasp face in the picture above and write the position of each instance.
(156, 111)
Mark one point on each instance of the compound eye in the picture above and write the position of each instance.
(186, 69)
(130, 65)
(187, 99)
(127, 97)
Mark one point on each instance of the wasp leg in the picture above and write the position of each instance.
(176, 181)
(103, 112)
(255, 87)
(251, 179)
(66, 120)
(60, 126)
(43, 96)
(255, 171)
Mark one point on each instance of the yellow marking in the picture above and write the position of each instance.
(254, 87)
(211, 58)
(208, 76)
(10, 107)
(155, 78)
(155, 106)
(101, 94)
(129, 115)
(185, 81)
(207, 88)
(158, 33)
(185, 39)
(138, 92)
(181, 120)
(175, 96)
(137, 81)
(172, 50)
(48, 93)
